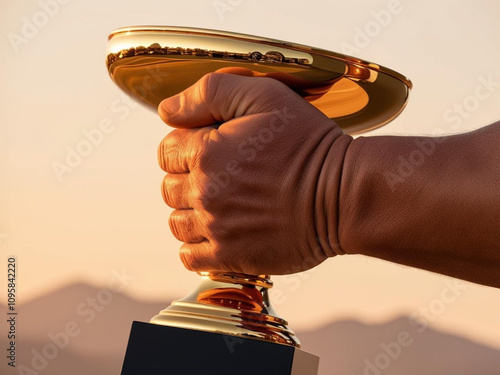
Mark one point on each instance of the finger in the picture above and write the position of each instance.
(237, 70)
(199, 257)
(294, 82)
(179, 148)
(173, 154)
(217, 98)
(176, 191)
(185, 226)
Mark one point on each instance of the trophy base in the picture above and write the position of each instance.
(154, 349)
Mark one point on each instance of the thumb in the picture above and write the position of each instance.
(219, 97)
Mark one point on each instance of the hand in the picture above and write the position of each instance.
(253, 175)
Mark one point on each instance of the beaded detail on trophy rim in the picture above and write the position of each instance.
(157, 49)
(232, 304)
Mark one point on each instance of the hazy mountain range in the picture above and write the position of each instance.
(91, 327)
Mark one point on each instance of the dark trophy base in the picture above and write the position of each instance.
(160, 350)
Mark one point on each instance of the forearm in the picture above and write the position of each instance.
(431, 203)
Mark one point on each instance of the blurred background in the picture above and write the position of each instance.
(92, 242)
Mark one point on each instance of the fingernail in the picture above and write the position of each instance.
(171, 105)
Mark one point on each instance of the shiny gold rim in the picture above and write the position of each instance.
(268, 41)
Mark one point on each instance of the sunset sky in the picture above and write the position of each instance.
(108, 215)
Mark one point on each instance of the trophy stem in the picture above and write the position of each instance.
(233, 304)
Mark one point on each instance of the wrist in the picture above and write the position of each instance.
(370, 213)
(327, 198)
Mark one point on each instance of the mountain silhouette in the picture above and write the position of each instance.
(352, 348)
(83, 329)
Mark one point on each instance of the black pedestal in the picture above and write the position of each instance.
(161, 350)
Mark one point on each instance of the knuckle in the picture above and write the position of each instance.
(208, 86)
(169, 148)
(174, 224)
(191, 258)
(166, 192)
(187, 258)
(161, 155)
(207, 139)
(202, 150)
(181, 225)
(183, 148)
(175, 191)
(203, 160)
(271, 91)
(219, 229)
(220, 252)
(221, 256)
(226, 257)
(270, 83)
(206, 195)
(279, 91)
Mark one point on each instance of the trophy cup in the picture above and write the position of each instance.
(228, 325)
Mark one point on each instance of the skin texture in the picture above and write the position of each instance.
(246, 184)
(427, 202)
(264, 183)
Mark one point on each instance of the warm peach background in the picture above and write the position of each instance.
(108, 213)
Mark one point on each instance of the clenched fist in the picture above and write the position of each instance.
(253, 173)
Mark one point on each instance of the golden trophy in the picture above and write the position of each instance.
(228, 324)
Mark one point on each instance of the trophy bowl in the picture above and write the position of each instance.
(151, 63)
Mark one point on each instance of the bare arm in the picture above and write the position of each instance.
(427, 202)
(264, 183)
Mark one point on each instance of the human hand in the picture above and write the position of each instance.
(253, 176)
